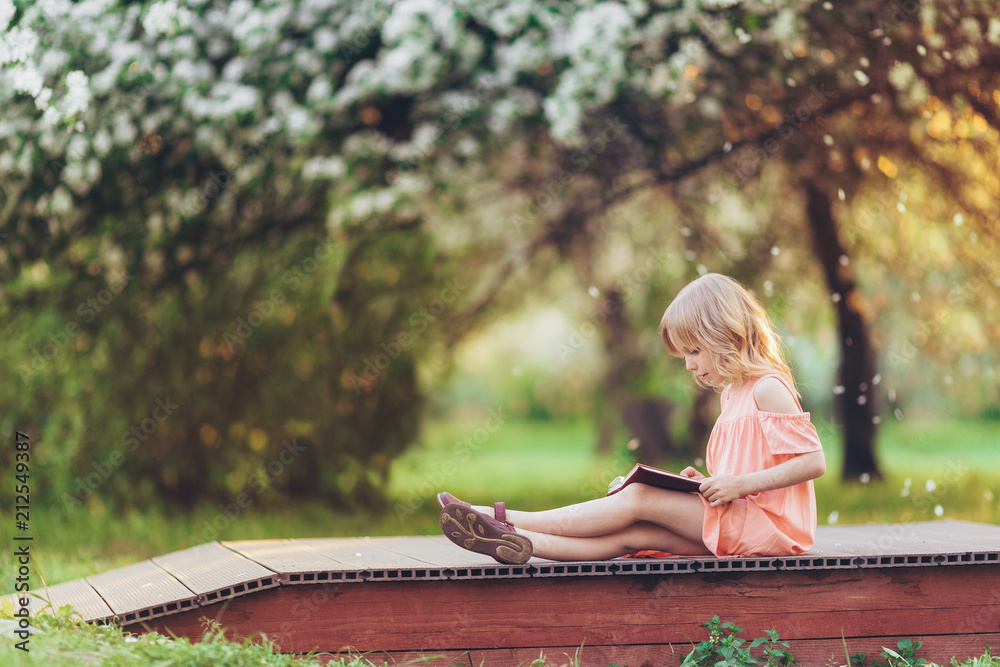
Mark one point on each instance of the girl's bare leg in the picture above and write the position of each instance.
(642, 535)
(681, 514)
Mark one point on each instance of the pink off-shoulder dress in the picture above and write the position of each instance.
(745, 439)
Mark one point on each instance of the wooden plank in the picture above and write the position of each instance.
(298, 564)
(282, 556)
(358, 554)
(438, 550)
(964, 535)
(78, 594)
(435, 550)
(619, 610)
(924, 537)
(217, 573)
(142, 591)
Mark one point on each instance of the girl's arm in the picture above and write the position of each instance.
(723, 489)
(771, 396)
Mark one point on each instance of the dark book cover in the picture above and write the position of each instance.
(645, 474)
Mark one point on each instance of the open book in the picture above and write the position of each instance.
(654, 477)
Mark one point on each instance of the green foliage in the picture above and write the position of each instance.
(904, 656)
(60, 639)
(275, 372)
(985, 660)
(724, 648)
(161, 178)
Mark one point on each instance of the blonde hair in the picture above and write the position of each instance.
(716, 313)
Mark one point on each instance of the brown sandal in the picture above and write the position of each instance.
(484, 534)
(445, 498)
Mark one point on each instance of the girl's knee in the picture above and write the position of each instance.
(635, 498)
(639, 492)
(649, 503)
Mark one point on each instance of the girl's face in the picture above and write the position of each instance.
(700, 363)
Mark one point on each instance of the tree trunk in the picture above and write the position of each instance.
(647, 419)
(704, 413)
(854, 397)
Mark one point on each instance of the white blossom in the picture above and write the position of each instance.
(325, 39)
(783, 28)
(564, 117)
(993, 31)
(75, 176)
(901, 75)
(301, 122)
(7, 11)
(123, 130)
(525, 54)
(53, 9)
(192, 73)
(505, 111)
(42, 99)
(319, 90)
(166, 18)
(918, 93)
(77, 97)
(227, 99)
(51, 116)
(466, 146)
(26, 79)
(970, 28)
(510, 18)
(102, 143)
(323, 168)
(17, 45)
(61, 201)
(967, 56)
(77, 149)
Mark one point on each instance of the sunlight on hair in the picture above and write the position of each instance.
(717, 313)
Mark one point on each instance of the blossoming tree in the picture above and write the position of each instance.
(175, 169)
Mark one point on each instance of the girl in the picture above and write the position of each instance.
(762, 456)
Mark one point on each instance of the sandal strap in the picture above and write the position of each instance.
(500, 512)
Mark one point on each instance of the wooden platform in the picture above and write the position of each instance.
(412, 596)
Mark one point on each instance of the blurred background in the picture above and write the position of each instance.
(288, 269)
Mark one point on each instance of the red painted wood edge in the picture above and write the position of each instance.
(434, 616)
(809, 652)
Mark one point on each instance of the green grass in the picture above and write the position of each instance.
(61, 640)
(541, 465)
(533, 465)
(530, 465)
(931, 471)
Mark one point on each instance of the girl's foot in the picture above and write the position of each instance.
(483, 534)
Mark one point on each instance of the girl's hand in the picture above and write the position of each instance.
(722, 489)
(692, 473)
